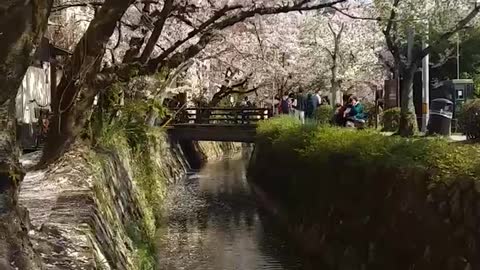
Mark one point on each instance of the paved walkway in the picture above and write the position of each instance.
(458, 137)
(453, 137)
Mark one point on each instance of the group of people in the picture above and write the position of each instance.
(302, 105)
(351, 114)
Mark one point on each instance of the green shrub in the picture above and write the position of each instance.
(391, 119)
(370, 148)
(144, 247)
(469, 119)
(371, 113)
(324, 114)
(341, 189)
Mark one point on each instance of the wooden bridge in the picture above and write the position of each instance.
(217, 124)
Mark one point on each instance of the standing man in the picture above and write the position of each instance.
(312, 105)
(301, 105)
(286, 104)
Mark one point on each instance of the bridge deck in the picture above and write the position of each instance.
(213, 132)
(217, 124)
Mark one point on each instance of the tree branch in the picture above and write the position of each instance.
(244, 92)
(391, 20)
(183, 19)
(193, 33)
(460, 25)
(387, 32)
(356, 17)
(66, 6)
(259, 39)
(193, 50)
(157, 31)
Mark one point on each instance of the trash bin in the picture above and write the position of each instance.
(441, 114)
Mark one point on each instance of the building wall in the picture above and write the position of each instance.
(33, 93)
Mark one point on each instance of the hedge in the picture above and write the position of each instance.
(469, 119)
(369, 200)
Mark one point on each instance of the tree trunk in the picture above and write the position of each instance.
(19, 43)
(16, 250)
(336, 97)
(22, 24)
(408, 119)
(217, 97)
(79, 86)
(337, 38)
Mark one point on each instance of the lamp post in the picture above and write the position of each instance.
(458, 55)
(425, 87)
(425, 79)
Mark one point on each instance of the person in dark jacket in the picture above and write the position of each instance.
(285, 105)
(357, 111)
(312, 105)
(300, 105)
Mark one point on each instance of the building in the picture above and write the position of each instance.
(32, 103)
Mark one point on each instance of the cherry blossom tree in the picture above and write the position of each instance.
(347, 50)
(170, 34)
(405, 23)
(262, 55)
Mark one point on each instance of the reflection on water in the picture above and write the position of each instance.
(213, 223)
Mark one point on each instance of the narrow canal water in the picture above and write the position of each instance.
(214, 223)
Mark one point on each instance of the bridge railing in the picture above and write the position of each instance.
(200, 115)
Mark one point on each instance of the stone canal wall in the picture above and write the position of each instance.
(99, 208)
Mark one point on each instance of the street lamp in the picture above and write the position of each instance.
(425, 79)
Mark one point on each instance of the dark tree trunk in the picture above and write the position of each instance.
(157, 31)
(79, 86)
(22, 24)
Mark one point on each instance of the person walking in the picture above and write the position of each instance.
(312, 105)
(300, 105)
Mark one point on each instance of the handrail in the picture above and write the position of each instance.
(174, 115)
(219, 115)
(228, 109)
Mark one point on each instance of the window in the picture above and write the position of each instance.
(460, 94)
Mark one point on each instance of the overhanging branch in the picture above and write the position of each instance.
(213, 26)
(157, 31)
(460, 25)
(59, 8)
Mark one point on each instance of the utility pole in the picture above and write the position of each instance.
(425, 88)
(425, 77)
(458, 56)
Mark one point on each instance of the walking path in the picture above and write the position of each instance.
(453, 137)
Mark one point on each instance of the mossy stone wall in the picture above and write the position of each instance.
(99, 208)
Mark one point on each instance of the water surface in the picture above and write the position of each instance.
(213, 223)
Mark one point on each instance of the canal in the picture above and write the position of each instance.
(213, 222)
